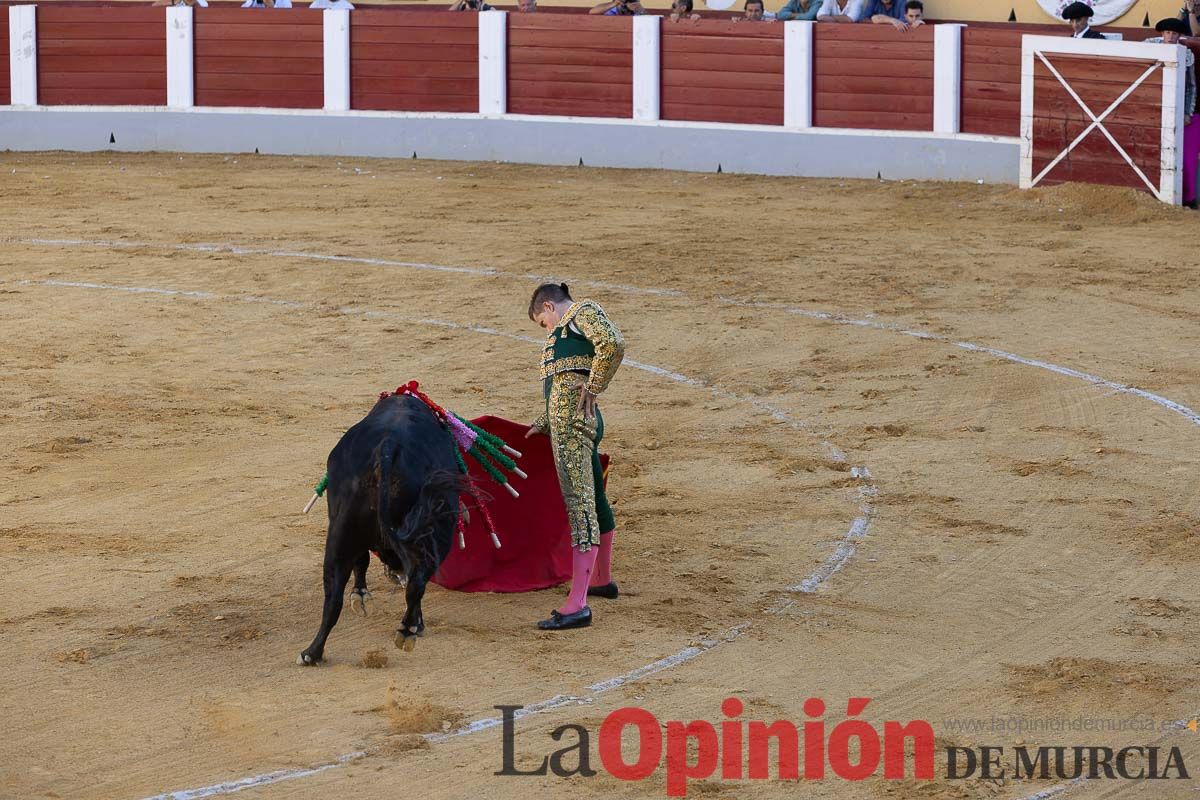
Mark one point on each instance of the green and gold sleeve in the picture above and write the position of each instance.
(604, 336)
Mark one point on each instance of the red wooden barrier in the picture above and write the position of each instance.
(101, 56)
(571, 65)
(873, 76)
(991, 81)
(719, 71)
(267, 58)
(416, 61)
(5, 82)
(1058, 119)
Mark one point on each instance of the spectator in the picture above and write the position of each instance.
(337, 4)
(201, 3)
(682, 9)
(755, 12)
(1080, 15)
(842, 11)
(914, 13)
(800, 10)
(527, 6)
(267, 4)
(1171, 30)
(470, 5)
(1188, 15)
(887, 12)
(619, 8)
(901, 15)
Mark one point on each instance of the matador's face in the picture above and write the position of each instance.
(549, 316)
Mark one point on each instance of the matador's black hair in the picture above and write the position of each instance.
(548, 293)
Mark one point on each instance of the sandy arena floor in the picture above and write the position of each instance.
(1031, 537)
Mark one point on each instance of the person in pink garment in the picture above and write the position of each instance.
(1170, 32)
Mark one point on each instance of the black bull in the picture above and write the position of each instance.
(394, 487)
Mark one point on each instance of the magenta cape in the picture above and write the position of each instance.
(534, 534)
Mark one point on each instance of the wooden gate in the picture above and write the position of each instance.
(1106, 112)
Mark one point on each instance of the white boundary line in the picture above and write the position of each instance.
(1055, 791)
(844, 551)
(837, 319)
(848, 546)
(258, 780)
(560, 700)
(825, 316)
(483, 272)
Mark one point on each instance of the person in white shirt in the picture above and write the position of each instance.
(267, 4)
(842, 11)
(323, 4)
(201, 3)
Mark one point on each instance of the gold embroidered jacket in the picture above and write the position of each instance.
(585, 340)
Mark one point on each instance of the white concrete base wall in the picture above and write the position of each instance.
(689, 146)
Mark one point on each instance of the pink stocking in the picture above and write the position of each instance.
(1191, 152)
(603, 574)
(581, 570)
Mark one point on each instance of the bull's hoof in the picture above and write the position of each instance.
(307, 659)
(405, 641)
(358, 601)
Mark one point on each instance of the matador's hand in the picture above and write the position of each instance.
(587, 404)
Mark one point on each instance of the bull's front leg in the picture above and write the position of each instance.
(359, 594)
(413, 624)
(336, 575)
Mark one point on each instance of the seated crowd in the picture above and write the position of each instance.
(903, 14)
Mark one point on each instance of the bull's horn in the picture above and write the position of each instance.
(511, 490)
(311, 503)
(512, 452)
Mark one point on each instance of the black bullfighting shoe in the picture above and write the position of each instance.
(608, 591)
(561, 622)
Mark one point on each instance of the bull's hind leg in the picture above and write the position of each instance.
(413, 624)
(338, 565)
(359, 594)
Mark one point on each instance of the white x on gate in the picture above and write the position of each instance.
(1164, 57)
(1097, 122)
